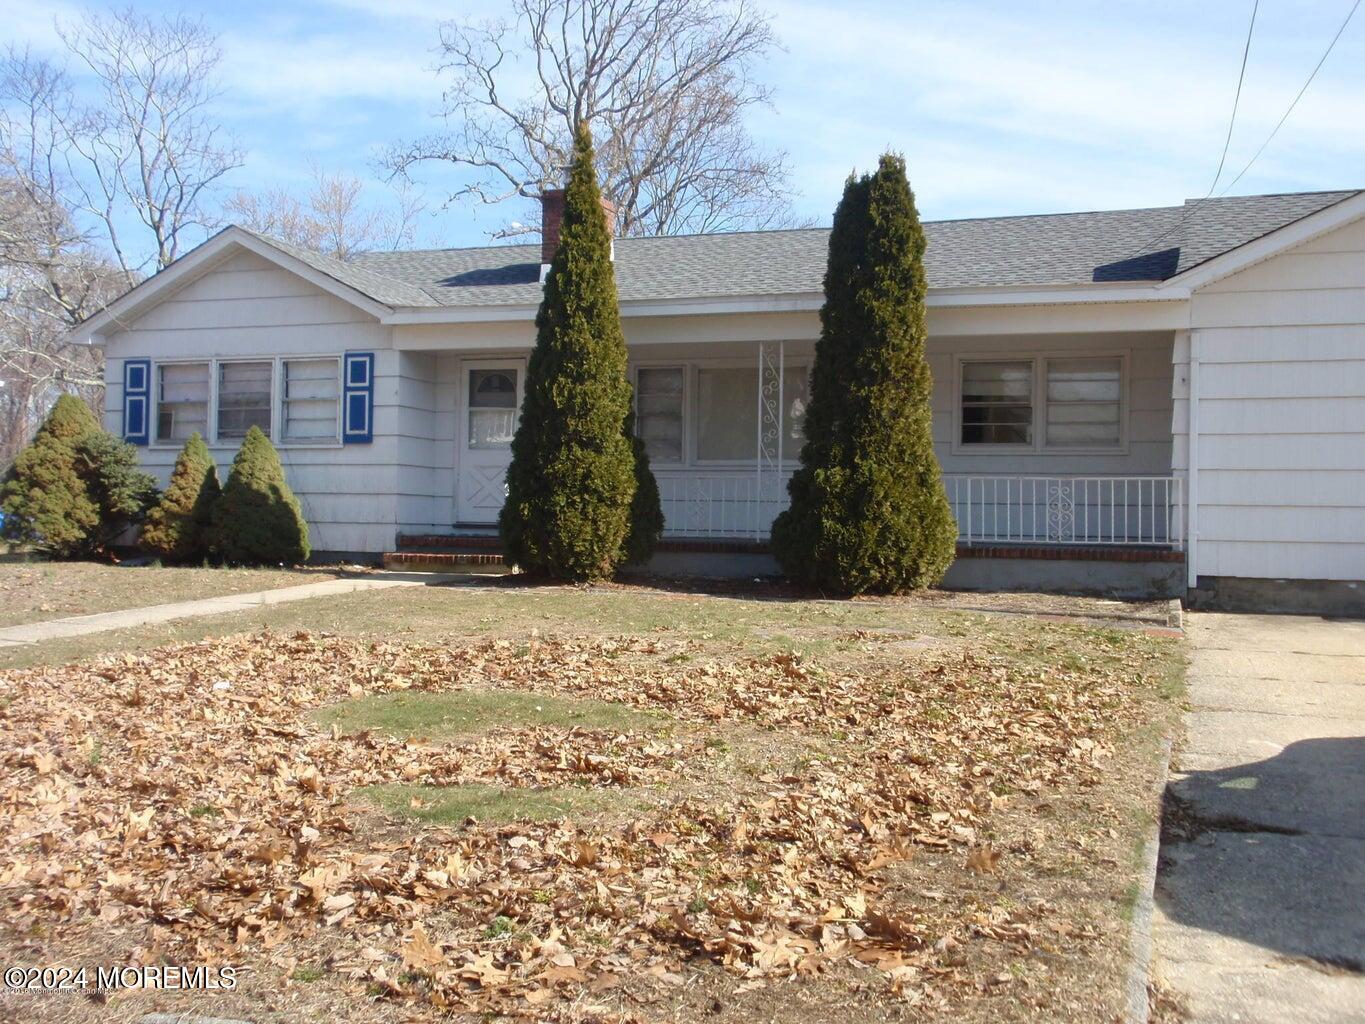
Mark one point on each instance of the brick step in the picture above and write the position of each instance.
(489, 562)
(449, 542)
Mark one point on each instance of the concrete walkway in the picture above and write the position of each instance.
(79, 625)
(1261, 891)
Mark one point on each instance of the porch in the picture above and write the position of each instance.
(1052, 443)
(1003, 509)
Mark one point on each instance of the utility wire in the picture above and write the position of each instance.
(1237, 99)
(1327, 53)
(1196, 206)
(1227, 142)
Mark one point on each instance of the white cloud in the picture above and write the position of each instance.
(313, 72)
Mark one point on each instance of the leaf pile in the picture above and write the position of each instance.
(184, 802)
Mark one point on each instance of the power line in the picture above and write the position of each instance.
(1227, 142)
(1326, 53)
(1195, 206)
(1237, 99)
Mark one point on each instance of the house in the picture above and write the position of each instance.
(1152, 400)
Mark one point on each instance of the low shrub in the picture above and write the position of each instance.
(258, 521)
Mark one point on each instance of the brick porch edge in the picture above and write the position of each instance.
(1046, 552)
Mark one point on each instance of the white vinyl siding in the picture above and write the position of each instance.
(1281, 385)
(248, 309)
(182, 401)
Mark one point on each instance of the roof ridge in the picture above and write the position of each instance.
(1061, 213)
(647, 239)
(1275, 195)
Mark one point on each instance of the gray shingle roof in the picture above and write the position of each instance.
(1051, 249)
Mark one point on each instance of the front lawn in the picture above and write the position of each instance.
(591, 805)
(39, 591)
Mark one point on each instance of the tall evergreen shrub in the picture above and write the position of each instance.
(257, 521)
(869, 513)
(75, 488)
(121, 490)
(646, 511)
(572, 476)
(177, 528)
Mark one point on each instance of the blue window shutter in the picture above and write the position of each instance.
(357, 398)
(137, 390)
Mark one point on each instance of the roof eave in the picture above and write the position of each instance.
(188, 268)
(1262, 248)
(802, 302)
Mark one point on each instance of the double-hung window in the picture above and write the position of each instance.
(659, 412)
(244, 397)
(1042, 403)
(997, 402)
(182, 401)
(310, 400)
(1084, 402)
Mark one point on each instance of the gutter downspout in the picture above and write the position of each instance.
(1192, 464)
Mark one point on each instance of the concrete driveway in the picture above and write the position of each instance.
(1261, 888)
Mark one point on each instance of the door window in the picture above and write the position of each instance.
(492, 408)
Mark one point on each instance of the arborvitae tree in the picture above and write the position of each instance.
(177, 529)
(868, 509)
(118, 486)
(257, 521)
(572, 476)
(646, 512)
(45, 498)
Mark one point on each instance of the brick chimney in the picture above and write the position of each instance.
(552, 218)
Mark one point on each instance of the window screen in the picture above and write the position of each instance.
(997, 402)
(659, 412)
(727, 413)
(243, 398)
(311, 389)
(1084, 402)
(182, 401)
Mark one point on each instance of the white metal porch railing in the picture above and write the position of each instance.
(717, 504)
(1000, 509)
(1140, 510)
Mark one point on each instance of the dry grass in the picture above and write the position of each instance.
(40, 591)
(681, 807)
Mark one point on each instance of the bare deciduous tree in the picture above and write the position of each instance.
(51, 277)
(148, 144)
(333, 218)
(136, 152)
(665, 84)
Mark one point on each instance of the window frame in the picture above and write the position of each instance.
(276, 398)
(281, 401)
(685, 442)
(691, 405)
(272, 398)
(154, 440)
(1038, 429)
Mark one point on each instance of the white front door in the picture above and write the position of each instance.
(491, 402)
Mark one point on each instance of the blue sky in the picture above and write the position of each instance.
(999, 108)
